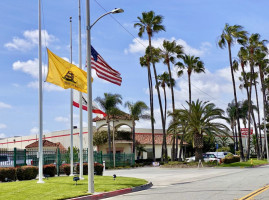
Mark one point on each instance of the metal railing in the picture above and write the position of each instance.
(18, 157)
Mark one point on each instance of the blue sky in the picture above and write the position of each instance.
(194, 24)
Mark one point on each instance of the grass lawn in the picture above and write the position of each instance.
(245, 164)
(63, 187)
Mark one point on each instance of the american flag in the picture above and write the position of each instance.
(103, 70)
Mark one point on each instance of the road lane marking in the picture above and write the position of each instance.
(255, 193)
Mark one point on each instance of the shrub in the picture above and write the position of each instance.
(66, 169)
(49, 170)
(7, 172)
(26, 172)
(98, 168)
(231, 159)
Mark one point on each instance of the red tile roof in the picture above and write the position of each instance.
(146, 138)
(46, 143)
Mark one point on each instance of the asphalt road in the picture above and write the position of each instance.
(201, 184)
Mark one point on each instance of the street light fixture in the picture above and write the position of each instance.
(115, 11)
(89, 97)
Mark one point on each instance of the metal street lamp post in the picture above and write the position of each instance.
(89, 97)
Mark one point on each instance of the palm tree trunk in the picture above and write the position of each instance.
(264, 107)
(189, 80)
(181, 146)
(258, 135)
(176, 149)
(249, 110)
(232, 125)
(151, 111)
(165, 104)
(109, 138)
(236, 139)
(236, 105)
(174, 152)
(198, 145)
(164, 148)
(133, 137)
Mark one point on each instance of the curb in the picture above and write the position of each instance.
(256, 166)
(114, 193)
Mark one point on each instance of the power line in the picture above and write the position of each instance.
(120, 24)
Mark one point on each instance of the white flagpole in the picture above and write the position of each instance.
(89, 100)
(80, 100)
(71, 111)
(40, 170)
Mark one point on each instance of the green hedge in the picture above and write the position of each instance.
(7, 172)
(231, 159)
(49, 170)
(26, 172)
(98, 169)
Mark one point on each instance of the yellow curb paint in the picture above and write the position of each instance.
(255, 193)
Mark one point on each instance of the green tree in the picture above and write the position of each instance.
(231, 119)
(192, 64)
(109, 104)
(202, 119)
(229, 36)
(136, 111)
(151, 23)
(178, 125)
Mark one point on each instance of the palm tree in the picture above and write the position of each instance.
(231, 119)
(109, 104)
(202, 119)
(168, 52)
(192, 64)
(252, 45)
(136, 111)
(151, 23)
(229, 36)
(145, 62)
(262, 63)
(163, 81)
(178, 125)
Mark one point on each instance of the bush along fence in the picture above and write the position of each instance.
(20, 157)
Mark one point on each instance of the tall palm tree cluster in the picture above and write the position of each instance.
(252, 59)
(199, 118)
(172, 55)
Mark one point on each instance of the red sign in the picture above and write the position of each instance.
(244, 131)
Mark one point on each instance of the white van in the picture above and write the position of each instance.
(219, 154)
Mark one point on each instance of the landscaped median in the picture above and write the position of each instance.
(253, 162)
(64, 187)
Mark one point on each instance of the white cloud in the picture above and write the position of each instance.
(139, 45)
(34, 131)
(61, 119)
(2, 126)
(46, 86)
(30, 40)
(30, 67)
(4, 105)
(2, 135)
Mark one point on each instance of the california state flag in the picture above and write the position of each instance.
(95, 108)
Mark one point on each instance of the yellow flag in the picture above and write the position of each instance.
(65, 74)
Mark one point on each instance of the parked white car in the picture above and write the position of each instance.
(207, 157)
(219, 154)
(7, 161)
